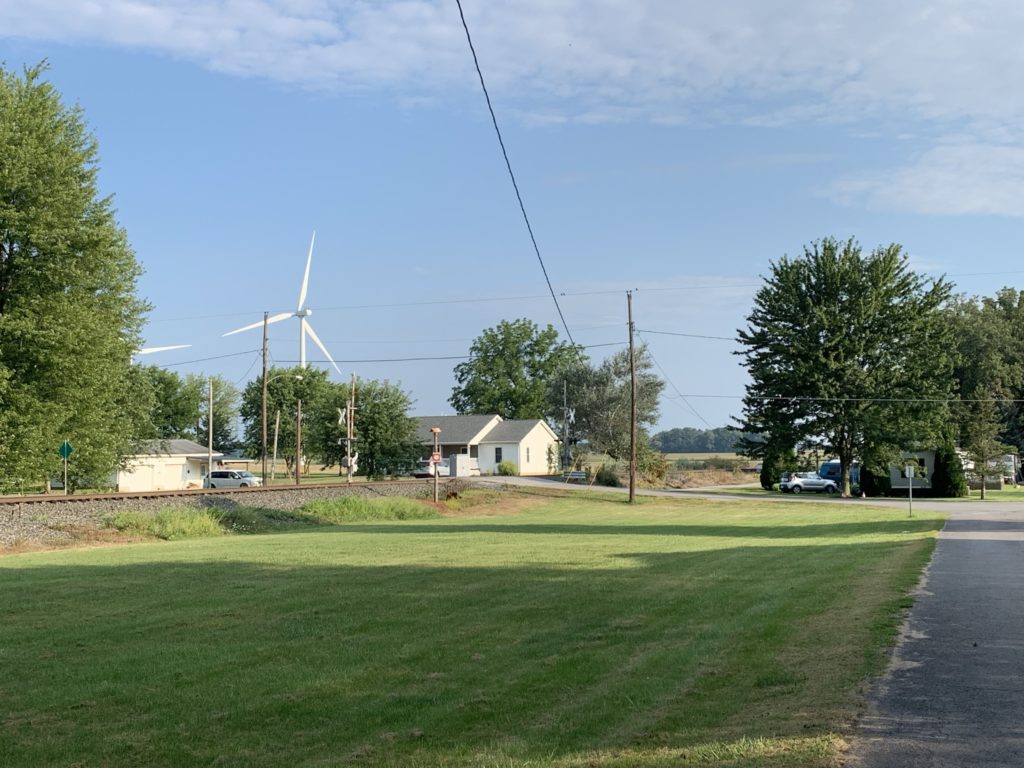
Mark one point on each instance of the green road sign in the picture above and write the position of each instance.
(65, 449)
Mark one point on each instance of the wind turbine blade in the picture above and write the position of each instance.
(305, 277)
(316, 340)
(274, 319)
(151, 350)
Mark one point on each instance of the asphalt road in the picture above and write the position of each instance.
(954, 693)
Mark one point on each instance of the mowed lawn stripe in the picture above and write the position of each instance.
(578, 630)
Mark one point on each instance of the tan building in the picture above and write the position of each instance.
(527, 443)
(165, 465)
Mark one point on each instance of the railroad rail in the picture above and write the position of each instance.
(54, 498)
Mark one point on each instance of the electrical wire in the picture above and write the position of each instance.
(508, 165)
(672, 384)
(215, 357)
(689, 335)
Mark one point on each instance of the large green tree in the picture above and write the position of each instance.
(175, 410)
(385, 432)
(285, 388)
(225, 409)
(848, 352)
(69, 314)
(599, 396)
(510, 369)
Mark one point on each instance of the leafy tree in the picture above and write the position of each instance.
(691, 440)
(175, 408)
(848, 353)
(385, 432)
(600, 397)
(509, 369)
(948, 478)
(284, 390)
(69, 314)
(225, 409)
(981, 439)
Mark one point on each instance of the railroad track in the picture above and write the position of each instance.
(52, 498)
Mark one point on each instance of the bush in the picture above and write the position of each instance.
(351, 509)
(167, 524)
(948, 478)
(508, 469)
(606, 475)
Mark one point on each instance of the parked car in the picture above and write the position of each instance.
(799, 482)
(426, 468)
(232, 478)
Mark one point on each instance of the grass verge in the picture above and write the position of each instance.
(575, 632)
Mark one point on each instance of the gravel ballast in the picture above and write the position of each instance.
(62, 520)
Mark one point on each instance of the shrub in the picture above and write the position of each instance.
(350, 509)
(948, 478)
(508, 469)
(170, 523)
(606, 475)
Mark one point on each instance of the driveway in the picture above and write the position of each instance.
(954, 693)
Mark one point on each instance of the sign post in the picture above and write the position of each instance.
(909, 471)
(65, 451)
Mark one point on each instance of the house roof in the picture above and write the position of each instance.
(460, 430)
(176, 447)
(514, 430)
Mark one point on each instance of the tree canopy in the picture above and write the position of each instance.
(385, 433)
(70, 318)
(848, 352)
(509, 370)
(691, 440)
(600, 398)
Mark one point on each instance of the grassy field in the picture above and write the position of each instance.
(575, 631)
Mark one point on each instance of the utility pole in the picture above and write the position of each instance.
(565, 423)
(277, 428)
(263, 439)
(632, 403)
(350, 431)
(209, 435)
(298, 441)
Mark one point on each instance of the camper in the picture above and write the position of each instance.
(831, 470)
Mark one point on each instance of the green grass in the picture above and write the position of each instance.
(531, 632)
(167, 524)
(348, 509)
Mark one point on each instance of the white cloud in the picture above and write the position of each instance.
(594, 60)
(962, 178)
(908, 70)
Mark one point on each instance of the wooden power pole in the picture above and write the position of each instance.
(632, 403)
(263, 434)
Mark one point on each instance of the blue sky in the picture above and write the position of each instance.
(669, 147)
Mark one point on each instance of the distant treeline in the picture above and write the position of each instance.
(690, 440)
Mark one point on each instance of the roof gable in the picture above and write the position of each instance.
(516, 430)
(467, 429)
(175, 447)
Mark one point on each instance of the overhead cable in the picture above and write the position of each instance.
(508, 165)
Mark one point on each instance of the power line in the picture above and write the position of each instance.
(429, 358)
(672, 384)
(813, 399)
(215, 357)
(690, 335)
(508, 164)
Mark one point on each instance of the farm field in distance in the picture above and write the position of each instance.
(563, 630)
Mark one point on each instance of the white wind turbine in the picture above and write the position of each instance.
(151, 350)
(305, 329)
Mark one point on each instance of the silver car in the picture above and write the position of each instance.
(232, 478)
(798, 482)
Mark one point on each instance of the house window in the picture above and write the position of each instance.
(497, 455)
(527, 454)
